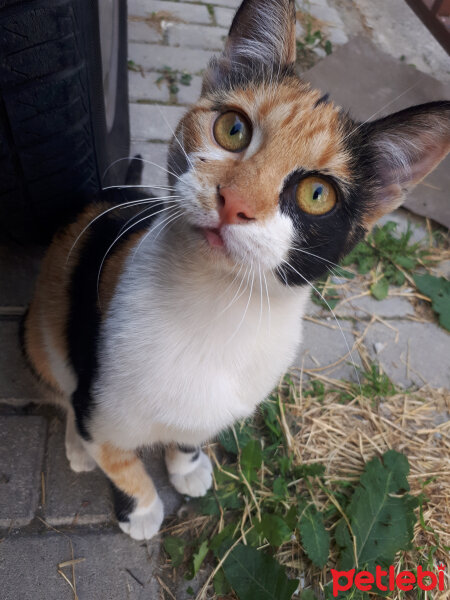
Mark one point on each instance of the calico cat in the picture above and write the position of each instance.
(162, 321)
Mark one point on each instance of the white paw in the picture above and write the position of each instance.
(197, 482)
(143, 524)
(80, 460)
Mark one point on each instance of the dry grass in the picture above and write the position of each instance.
(346, 436)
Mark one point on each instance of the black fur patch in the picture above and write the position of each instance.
(323, 100)
(84, 313)
(187, 449)
(124, 505)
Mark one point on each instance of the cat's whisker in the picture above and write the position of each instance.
(144, 160)
(380, 110)
(138, 186)
(175, 137)
(158, 224)
(261, 299)
(335, 318)
(115, 207)
(268, 300)
(247, 305)
(171, 203)
(115, 242)
(237, 295)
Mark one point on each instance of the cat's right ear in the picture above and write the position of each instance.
(261, 37)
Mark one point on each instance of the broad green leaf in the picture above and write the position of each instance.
(280, 488)
(315, 538)
(228, 440)
(253, 574)
(291, 517)
(174, 546)
(222, 541)
(438, 290)
(381, 514)
(251, 459)
(380, 289)
(407, 262)
(274, 529)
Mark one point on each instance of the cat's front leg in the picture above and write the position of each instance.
(190, 470)
(138, 507)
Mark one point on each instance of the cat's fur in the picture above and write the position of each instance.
(178, 338)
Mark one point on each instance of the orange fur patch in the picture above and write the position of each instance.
(128, 473)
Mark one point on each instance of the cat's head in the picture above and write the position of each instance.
(272, 174)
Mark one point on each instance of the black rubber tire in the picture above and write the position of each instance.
(54, 144)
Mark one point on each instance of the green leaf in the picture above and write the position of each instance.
(274, 529)
(381, 514)
(307, 595)
(174, 546)
(228, 440)
(222, 541)
(199, 557)
(407, 262)
(438, 290)
(221, 585)
(254, 574)
(280, 488)
(380, 289)
(251, 460)
(310, 470)
(315, 538)
(190, 591)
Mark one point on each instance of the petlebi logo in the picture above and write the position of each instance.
(388, 580)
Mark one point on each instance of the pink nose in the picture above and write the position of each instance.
(233, 209)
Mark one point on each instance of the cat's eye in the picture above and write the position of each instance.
(232, 131)
(315, 196)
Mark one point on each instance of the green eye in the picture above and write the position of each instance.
(315, 196)
(232, 131)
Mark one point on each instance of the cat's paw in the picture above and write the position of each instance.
(197, 481)
(143, 524)
(80, 460)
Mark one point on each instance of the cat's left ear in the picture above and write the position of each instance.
(262, 35)
(402, 149)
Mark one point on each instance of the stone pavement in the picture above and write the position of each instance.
(48, 514)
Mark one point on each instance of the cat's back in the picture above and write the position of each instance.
(75, 285)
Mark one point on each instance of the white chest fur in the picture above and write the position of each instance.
(186, 350)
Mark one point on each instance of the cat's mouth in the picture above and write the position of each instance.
(213, 237)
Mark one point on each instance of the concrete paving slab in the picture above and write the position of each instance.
(17, 384)
(149, 122)
(410, 353)
(188, 94)
(115, 567)
(18, 270)
(144, 86)
(72, 498)
(140, 31)
(367, 82)
(84, 498)
(323, 344)
(22, 444)
(365, 307)
(193, 36)
(224, 16)
(193, 13)
(152, 57)
(152, 175)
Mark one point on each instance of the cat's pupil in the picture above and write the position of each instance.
(237, 128)
(317, 192)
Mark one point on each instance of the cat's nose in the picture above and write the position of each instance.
(232, 207)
